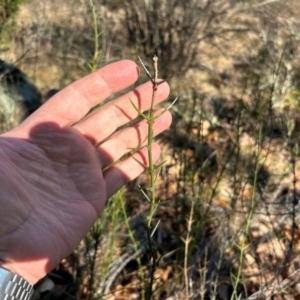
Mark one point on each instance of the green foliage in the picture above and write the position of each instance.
(8, 9)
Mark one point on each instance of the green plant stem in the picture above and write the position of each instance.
(93, 65)
(187, 241)
(243, 247)
(149, 290)
(150, 118)
(151, 168)
(135, 244)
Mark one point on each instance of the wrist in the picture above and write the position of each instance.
(13, 286)
(20, 270)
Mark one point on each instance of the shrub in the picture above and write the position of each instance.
(8, 9)
(175, 29)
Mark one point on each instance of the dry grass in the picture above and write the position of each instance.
(231, 176)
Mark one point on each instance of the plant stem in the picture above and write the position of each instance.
(151, 120)
(93, 65)
(248, 220)
(135, 244)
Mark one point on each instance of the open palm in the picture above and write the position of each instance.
(52, 182)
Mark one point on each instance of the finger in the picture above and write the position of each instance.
(104, 121)
(125, 171)
(130, 138)
(73, 102)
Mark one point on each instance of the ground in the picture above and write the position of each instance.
(229, 187)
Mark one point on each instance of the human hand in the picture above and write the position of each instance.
(52, 182)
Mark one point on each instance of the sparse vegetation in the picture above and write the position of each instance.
(229, 219)
(8, 9)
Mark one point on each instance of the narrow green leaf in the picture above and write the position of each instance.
(140, 163)
(138, 111)
(166, 109)
(146, 196)
(160, 165)
(154, 229)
